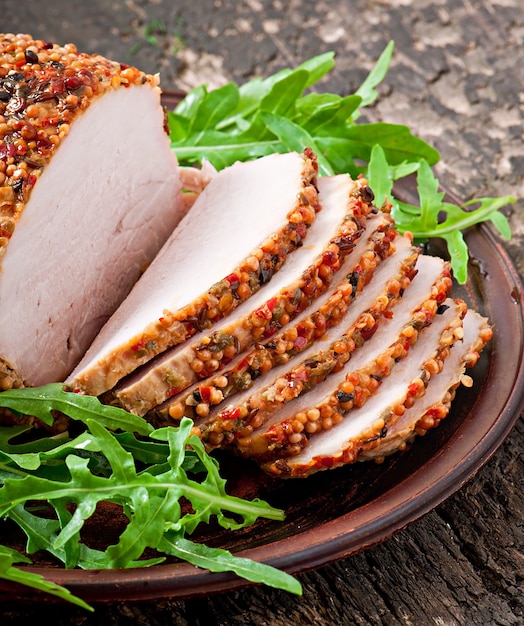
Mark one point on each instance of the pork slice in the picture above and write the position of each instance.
(251, 409)
(90, 192)
(327, 311)
(352, 382)
(307, 273)
(341, 444)
(235, 237)
(434, 406)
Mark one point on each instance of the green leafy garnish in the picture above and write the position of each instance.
(281, 113)
(9, 557)
(435, 217)
(163, 481)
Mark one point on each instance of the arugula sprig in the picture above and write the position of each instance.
(147, 476)
(281, 113)
(434, 217)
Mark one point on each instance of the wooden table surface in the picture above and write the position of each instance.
(457, 79)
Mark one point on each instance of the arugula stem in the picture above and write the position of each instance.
(12, 470)
(196, 152)
(470, 219)
(228, 503)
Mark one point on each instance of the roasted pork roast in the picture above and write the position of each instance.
(279, 310)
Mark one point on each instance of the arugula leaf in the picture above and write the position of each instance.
(219, 560)
(255, 90)
(150, 497)
(212, 109)
(367, 90)
(291, 120)
(9, 557)
(41, 401)
(434, 217)
(294, 138)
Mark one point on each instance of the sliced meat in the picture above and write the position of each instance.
(89, 193)
(351, 384)
(307, 273)
(434, 406)
(328, 310)
(235, 421)
(235, 237)
(341, 444)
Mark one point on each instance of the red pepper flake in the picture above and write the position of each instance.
(56, 85)
(73, 82)
(302, 330)
(263, 312)
(5, 233)
(233, 280)
(271, 304)
(50, 121)
(301, 230)
(139, 345)
(242, 365)
(367, 333)
(413, 389)
(270, 331)
(230, 414)
(300, 375)
(274, 434)
(205, 394)
(172, 391)
(7, 150)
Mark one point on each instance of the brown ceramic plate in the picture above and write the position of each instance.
(337, 513)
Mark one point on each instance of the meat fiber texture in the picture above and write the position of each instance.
(91, 193)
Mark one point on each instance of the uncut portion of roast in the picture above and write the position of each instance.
(89, 192)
